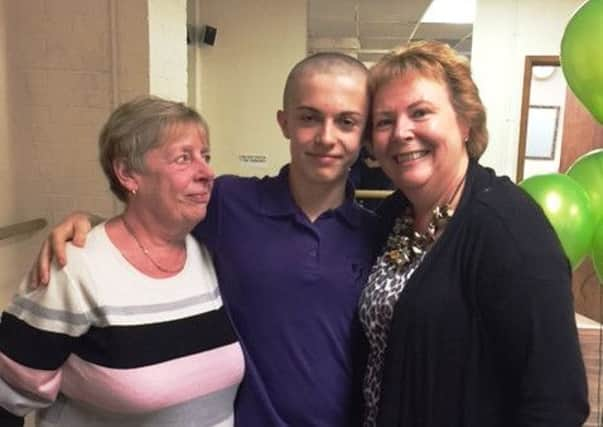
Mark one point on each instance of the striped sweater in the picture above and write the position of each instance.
(106, 345)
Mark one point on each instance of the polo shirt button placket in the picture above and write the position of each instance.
(314, 255)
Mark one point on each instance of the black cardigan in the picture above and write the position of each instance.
(484, 332)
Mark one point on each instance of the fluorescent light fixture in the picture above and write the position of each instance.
(450, 12)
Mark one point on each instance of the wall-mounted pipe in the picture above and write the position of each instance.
(22, 228)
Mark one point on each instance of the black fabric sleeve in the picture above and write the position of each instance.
(391, 207)
(7, 419)
(524, 300)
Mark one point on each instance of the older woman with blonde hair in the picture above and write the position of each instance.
(133, 331)
(468, 309)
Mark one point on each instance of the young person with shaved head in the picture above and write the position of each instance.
(292, 254)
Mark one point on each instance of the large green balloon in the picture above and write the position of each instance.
(567, 206)
(582, 56)
(587, 170)
(597, 252)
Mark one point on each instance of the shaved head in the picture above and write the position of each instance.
(321, 63)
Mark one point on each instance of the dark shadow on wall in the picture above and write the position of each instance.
(366, 174)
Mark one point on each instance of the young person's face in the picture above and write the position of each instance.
(324, 121)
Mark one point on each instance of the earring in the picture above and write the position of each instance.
(133, 192)
(466, 139)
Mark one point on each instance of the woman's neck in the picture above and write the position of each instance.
(425, 199)
(153, 230)
(147, 246)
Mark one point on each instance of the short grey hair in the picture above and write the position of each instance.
(136, 127)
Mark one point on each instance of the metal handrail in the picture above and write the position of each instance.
(22, 228)
(373, 194)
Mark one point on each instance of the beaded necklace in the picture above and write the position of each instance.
(405, 245)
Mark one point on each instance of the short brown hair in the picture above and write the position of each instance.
(439, 61)
(136, 127)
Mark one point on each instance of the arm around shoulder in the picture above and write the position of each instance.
(73, 228)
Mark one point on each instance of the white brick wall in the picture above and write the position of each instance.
(168, 77)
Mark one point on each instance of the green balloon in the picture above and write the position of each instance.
(582, 56)
(567, 206)
(597, 252)
(587, 170)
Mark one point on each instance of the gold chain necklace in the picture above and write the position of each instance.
(404, 244)
(148, 255)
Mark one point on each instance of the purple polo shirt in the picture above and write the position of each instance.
(292, 289)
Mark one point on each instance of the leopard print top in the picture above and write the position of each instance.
(376, 309)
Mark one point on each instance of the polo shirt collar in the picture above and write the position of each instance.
(277, 200)
(276, 195)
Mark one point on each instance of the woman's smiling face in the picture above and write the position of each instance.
(416, 136)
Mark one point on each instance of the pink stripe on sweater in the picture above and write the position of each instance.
(156, 386)
(42, 383)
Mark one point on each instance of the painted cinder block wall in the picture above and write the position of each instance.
(64, 65)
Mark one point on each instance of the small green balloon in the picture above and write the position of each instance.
(567, 206)
(587, 170)
(582, 56)
(597, 252)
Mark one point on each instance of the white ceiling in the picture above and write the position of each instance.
(370, 28)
